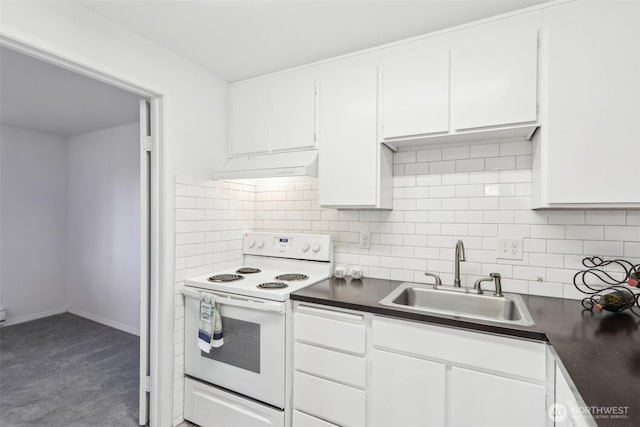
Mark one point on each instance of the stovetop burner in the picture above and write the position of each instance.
(273, 285)
(225, 278)
(248, 270)
(294, 277)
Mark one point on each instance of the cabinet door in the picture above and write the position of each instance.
(348, 137)
(406, 391)
(249, 118)
(480, 399)
(293, 113)
(569, 411)
(592, 102)
(495, 73)
(415, 92)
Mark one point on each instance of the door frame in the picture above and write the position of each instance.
(157, 302)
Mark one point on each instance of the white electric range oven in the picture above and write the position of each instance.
(247, 382)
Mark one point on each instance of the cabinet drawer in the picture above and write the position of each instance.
(331, 401)
(209, 406)
(508, 355)
(343, 335)
(300, 419)
(341, 367)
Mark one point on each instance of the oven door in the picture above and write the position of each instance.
(252, 360)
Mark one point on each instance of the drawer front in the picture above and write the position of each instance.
(337, 403)
(300, 419)
(508, 355)
(210, 406)
(330, 332)
(345, 368)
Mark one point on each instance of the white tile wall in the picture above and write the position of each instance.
(210, 219)
(475, 193)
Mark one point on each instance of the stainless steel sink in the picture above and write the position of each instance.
(460, 302)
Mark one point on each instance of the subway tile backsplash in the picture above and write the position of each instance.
(476, 193)
(210, 219)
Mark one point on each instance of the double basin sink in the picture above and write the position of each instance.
(460, 302)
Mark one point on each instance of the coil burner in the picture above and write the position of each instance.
(295, 277)
(273, 285)
(225, 278)
(248, 270)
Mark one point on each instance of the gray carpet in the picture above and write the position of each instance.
(65, 370)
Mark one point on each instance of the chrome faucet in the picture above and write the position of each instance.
(459, 257)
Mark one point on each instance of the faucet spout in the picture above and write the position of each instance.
(459, 257)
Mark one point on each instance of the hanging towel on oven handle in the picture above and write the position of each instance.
(210, 329)
(205, 330)
(217, 338)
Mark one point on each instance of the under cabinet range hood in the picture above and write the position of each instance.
(294, 163)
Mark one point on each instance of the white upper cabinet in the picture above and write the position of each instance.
(494, 80)
(273, 114)
(415, 90)
(249, 118)
(587, 154)
(473, 84)
(293, 113)
(350, 171)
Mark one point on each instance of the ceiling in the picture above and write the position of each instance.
(43, 97)
(242, 39)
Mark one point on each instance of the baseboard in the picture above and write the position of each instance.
(22, 319)
(107, 322)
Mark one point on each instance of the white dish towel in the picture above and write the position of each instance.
(210, 330)
(217, 340)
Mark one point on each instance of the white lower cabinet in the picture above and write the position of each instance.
(330, 367)
(569, 412)
(435, 376)
(337, 403)
(392, 372)
(210, 406)
(300, 419)
(481, 399)
(406, 391)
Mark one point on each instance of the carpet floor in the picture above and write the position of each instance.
(65, 370)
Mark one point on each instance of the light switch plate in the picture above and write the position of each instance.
(365, 239)
(509, 248)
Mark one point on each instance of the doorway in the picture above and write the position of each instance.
(76, 244)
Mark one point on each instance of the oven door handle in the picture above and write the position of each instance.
(252, 304)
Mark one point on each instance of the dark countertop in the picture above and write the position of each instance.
(600, 351)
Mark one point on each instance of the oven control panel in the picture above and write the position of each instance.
(315, 247)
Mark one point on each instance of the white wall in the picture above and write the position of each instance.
(103, 269)
(34, 224)
(195, 123)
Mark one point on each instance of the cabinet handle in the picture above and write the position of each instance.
(332, 313)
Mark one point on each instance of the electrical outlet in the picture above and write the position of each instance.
(510, 248)
(365, 239)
